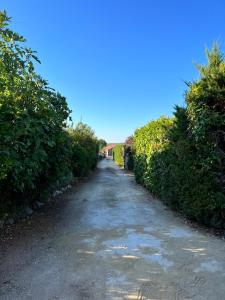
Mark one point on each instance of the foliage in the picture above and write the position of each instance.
(123, 156)
(102, 143)
(32, 119)
(206, 116)
(129, 140)
(149, 139)
(185, 164)
(35, 147)
(85, 148)
(118, 154)
(129, 157)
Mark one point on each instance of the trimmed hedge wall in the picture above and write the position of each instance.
(182, 159)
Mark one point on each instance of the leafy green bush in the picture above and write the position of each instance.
(85, 148)
(32, 122)
(118, 155)
(206, 116)
(36, 149)
(184, 162)
(148, 140)
(123, 154)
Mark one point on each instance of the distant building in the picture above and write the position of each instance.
(108, 150)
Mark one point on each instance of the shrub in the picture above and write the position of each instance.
(36, 149)
(148, 140)
(183, 162)
(118, 155)
(206, 115)
(85, 148)
(123, 156)
(129, 157)
(32, 122)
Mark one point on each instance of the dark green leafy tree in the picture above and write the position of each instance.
(33, 140)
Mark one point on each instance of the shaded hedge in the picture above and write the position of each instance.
(182, 160)
(36, 149)
(129, 154)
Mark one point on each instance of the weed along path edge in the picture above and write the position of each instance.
(110, 240)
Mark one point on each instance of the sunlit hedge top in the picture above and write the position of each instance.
(152, 136)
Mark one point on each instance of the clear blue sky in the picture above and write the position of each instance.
(120, 63)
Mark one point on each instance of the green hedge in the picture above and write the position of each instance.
(129, 153)
(118, 155)
(148, 140)
(85, 149)
(36, 149)
(121, 153)
(182, 160)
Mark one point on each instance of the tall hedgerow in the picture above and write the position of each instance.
(187, 168)
(32, 122)
(205, 100)
(36, 149)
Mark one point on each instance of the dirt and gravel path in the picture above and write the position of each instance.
(110, 240)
